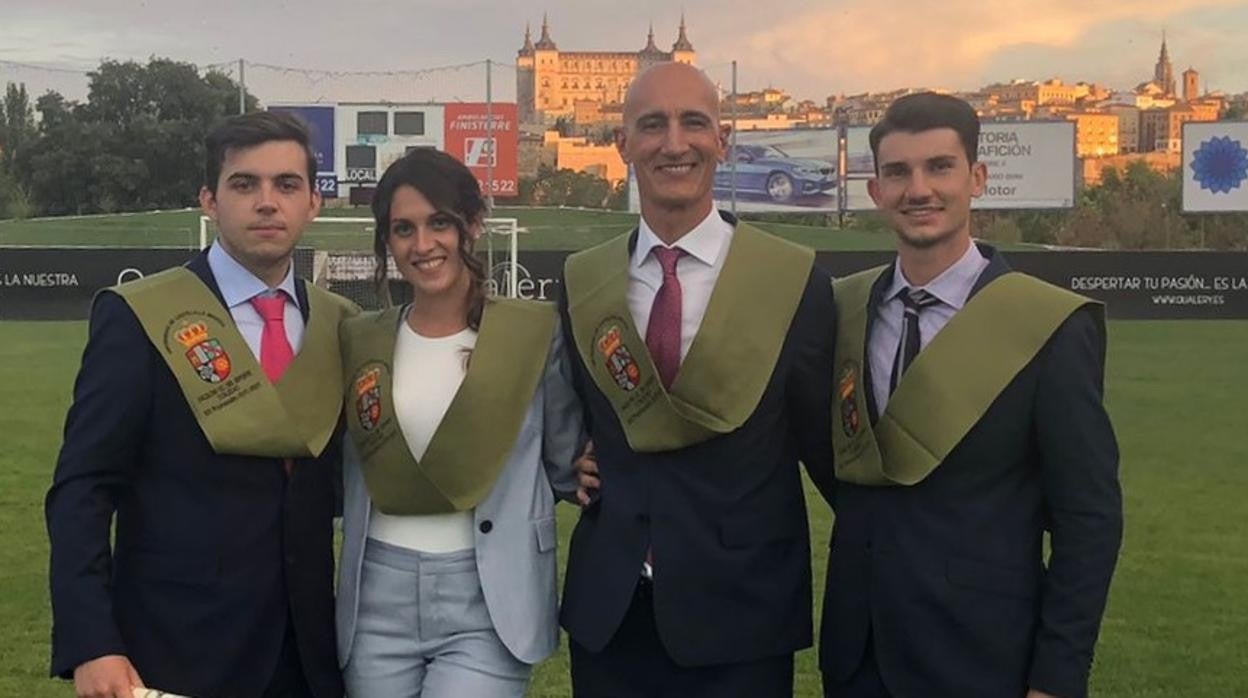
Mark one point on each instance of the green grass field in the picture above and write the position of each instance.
(1177, 624)
(546, 229)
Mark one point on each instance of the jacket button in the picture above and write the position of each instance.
(486, 526)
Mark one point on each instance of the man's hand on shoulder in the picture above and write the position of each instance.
(587, 476)
(110, 676)
(1033, 693)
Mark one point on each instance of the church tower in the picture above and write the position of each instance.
(526, 84)
(1191, 84)
(1163, 72)
(682, 50)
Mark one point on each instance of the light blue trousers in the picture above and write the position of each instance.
(423, 630)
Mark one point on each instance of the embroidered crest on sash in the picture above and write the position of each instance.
(618, 359)
(368, 398)
(846, 389)
(207, 357)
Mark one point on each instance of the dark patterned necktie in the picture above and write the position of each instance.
(908, 346)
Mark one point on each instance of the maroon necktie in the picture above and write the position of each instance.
(663, 330)
(275, 351)
(663, 333)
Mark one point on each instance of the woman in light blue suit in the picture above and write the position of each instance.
(463, 425)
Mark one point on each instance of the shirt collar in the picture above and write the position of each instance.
(953, 285)
(705, 242)
(238, 285)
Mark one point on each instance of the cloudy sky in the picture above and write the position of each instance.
(811, 49)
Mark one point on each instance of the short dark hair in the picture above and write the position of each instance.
(249, 130)
(924, 111)
(452, 189)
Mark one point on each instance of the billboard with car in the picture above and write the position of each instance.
(783, 170)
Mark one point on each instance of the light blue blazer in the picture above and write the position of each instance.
(516, 557)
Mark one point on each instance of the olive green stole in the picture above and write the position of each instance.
(239, 411)
(951, 383)
(733, 355)
(472, 442)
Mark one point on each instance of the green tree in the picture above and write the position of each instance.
(135, 144)
(17, 127)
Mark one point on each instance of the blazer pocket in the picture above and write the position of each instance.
(742, 532)
(991, 578)
(544, 528)
(177, 568)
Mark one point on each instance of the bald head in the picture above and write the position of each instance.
(657, 84)
(672, 138)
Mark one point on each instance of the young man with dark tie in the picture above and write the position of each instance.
(968, 424)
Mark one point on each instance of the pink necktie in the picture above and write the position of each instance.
(275, 351)
(663, 330)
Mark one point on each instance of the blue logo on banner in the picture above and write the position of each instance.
(1220, 164)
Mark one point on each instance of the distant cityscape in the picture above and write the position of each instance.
(569, 102)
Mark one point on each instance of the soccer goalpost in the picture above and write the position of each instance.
(342, 256)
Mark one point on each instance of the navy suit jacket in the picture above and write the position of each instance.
(948, 578)
(212, 553)
(726, 518)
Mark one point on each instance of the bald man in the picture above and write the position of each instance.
(702, 352)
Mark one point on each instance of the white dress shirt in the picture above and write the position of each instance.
(952, 287)
(706, 247)
(238, 286)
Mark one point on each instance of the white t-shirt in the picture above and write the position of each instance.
(427, 374)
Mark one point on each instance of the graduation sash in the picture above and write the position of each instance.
(472, 442)
(951, 383)
(730, 362)
(239, 411)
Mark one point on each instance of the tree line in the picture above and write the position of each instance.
(135, 144)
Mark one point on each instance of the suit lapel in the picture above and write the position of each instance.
(873, 303)
(301, 296)
(199, 265)
(997, 266)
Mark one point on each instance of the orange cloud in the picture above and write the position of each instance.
(865, 44)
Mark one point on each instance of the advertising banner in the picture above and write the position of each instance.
(467, 137)
(320, 121)
(1031, 165)
(782, 170)
(1215, 166)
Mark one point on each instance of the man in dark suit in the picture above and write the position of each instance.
(219, 580)
(969, 422)
(689, 574)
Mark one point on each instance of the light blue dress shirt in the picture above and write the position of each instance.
(953, 287)
(238, 286)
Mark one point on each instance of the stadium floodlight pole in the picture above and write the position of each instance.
(489, 167)
(489, 133)
(842, 163)
(732, 152)
(242, 88)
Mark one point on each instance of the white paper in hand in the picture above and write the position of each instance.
(153, 693)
